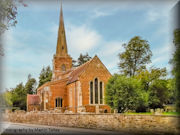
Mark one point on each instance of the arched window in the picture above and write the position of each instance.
(58, 102)
(101, 93)
(91, 92)
(63, 67)
(96, 91)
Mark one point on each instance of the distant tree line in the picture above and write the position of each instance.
(16, 97)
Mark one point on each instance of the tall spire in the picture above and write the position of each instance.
(61, 49)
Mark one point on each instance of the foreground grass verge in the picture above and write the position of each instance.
(149, 113)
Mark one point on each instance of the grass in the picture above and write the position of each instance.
(149, 113)
(171, 113)
(140, 113)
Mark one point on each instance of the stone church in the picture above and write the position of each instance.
(72, 89)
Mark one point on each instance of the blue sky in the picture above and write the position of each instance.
(97, 27)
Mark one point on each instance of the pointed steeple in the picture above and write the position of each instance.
(61, 61)
(61, 49)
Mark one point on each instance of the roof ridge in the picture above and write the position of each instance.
(82, 65)
(77, 72)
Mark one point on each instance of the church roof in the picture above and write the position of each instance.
(33, 99)
(76, 72)
(71, 75)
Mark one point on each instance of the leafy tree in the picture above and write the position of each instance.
(172, 93)
(176, 65)
(8, 13)
(16, 97)
(121, 93)
(137, 54)
(7, 98)
(158, 94)
(19, 96)
(146, 90)
(4, 102)
(30, 85)
(149, 97)
(148, 77)
(143, 100)
(81, 60)
(45, 75)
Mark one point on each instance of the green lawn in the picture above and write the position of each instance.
(171, 113)
(149, 113)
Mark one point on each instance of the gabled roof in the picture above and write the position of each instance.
(33, 99)
(74, 75)
(76, 72)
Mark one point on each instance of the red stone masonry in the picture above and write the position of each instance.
(69, 89)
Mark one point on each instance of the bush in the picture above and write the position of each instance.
(121, 93)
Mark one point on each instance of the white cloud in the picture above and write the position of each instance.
(24, 55)
(161, 56)
(167, 49)
(108, 53)
(153, 15)
(112, 48)
(100, 13)
(82, 38)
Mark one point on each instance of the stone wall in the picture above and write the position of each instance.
(117, 122)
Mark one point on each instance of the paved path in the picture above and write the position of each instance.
(18, 128)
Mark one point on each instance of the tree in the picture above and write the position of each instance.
(172, 93)
(45, 75)
(176, 65)
(5, 98)
(121, 93)
(148, 77)
(81, 60)
(148, 89)
(158, 94)
(143, 100)
(8, 13)
(30, 85)
(19, 96)
(137, 54)
(149, 95)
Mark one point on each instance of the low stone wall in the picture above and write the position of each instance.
(117, 122)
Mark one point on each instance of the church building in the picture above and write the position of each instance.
(73, 89)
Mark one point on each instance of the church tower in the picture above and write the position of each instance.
(62, 61)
